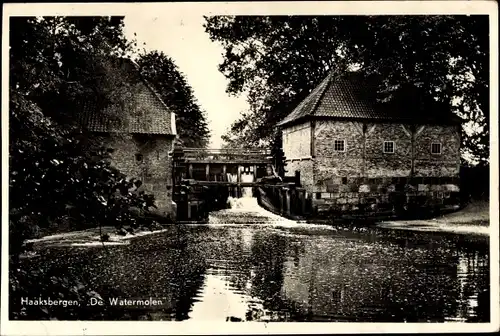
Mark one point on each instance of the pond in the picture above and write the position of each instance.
(250, 265)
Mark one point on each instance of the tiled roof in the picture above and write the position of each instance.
(309, 104)
(350, 96)
(139, 107)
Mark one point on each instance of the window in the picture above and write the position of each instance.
(339, 145)
(436, 148)
(138, 157)
(388, 146)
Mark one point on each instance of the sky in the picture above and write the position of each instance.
(183, 38)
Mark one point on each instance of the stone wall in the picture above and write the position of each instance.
(158, 173)
(148, 161)
(297, 151)
(331, 165)
(305, 166)
(380, 164)
(297, 141)
(352, 203)
(445, 164)
(364, 176)
(123, 155)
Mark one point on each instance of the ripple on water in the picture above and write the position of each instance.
(280, 270)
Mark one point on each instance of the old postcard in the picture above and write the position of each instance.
(298, 167)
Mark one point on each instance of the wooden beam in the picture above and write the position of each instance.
(281, 201)
(302, 197)
(313, 139)
(189, 210)
(288, 201)
(224, 174)
(237, 184)
(363, 159)
(238, 188)
(235, 162)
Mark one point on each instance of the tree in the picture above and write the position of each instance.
(52, 165)
(278, 60)
(161, 71)
(55, 169)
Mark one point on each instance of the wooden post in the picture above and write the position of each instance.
(190, 171)
(188, 210)
(280, 196)
(224, 176)
(254, 173)
(302, 196)
(288, 202)
(207, 172)
(412, 141)
(363, 155)
(238, 189)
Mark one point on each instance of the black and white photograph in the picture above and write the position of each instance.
(202, 164)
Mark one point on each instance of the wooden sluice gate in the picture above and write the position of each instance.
(204, 179)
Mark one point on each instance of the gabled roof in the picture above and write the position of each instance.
(138, 105)
(352, 96)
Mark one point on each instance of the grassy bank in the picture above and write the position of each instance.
(88, 238)
(473, 219)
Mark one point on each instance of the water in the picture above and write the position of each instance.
(250, 265)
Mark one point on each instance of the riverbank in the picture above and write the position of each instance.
(90, 237)
(192, 268)
(471, 220)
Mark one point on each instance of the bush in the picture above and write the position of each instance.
(24, 284)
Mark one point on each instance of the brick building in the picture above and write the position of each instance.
(349, 148)
(137, 125)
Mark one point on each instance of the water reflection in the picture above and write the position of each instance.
(270, 272)
(276, 275)
(329, 276)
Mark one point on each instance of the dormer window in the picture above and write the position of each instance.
(389, 146)
(436, 148)
(339, 145)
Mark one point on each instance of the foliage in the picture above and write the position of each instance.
(278, 60)
(24, 284)
(54, 59)
(54, 165)
(161, 71)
